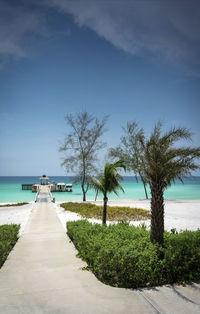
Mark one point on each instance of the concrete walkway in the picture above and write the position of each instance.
(43, 275)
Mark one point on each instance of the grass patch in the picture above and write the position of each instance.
(88, 210)
(8, 238)
(17, 204)
(123, 256)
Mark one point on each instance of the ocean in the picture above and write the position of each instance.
(11, 191)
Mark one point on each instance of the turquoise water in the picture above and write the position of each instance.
(10, 190)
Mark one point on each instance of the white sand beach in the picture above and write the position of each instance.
(178, 214)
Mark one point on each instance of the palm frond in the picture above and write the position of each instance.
(97, 184)
(119, 164)
(176, 134)
(109, 181)
(163, 162)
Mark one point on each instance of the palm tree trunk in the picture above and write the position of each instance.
(157, 212)
(105, 209)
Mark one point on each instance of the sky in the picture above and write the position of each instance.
(129, 59)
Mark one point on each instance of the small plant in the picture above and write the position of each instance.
(118, 213)
(173, 231)
(8, 238)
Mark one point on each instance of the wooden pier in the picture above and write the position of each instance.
(44, 194)
(27, 186)
(54, 187)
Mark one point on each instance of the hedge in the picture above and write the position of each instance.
(123, 256)
(8, 238)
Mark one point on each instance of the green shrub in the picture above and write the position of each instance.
(8, 238)
(17, 204)
(123, 256)
(182, 256)
(88, 210)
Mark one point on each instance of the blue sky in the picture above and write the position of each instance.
(133, 60)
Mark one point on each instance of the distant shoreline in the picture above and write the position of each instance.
(113, 202)
(65, 176)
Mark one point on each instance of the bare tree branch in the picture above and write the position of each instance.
(131, 151)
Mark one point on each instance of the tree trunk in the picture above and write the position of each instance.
(144, 184)
(83, 182)
(145, 189)
(84, 192)
(96, 195)
(84, 196)
(105, 210)
(157, 212)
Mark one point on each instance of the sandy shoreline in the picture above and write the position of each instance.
(15, 215)
(179, 214)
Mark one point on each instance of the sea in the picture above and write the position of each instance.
(11, 190)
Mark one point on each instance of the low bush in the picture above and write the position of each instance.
(88, 210)
(182, 256)
(123, 256)
(8, 238)
(17, 204)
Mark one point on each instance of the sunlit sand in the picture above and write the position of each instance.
(181, 215)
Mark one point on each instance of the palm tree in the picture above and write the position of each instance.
(163, 164)
(108, 182)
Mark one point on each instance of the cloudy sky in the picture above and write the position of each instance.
(130, 59)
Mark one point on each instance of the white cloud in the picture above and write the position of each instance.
(15, 24)
(164, 29)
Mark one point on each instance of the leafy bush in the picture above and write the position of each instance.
(182, 256)
(17, 204)
(8, 238)
(123, 256)
(88, 210)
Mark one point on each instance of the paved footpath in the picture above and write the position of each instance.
(43, 275)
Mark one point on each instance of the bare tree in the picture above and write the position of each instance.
(130, 150)
(81, 146)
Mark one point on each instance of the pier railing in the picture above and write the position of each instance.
(51, 197)
(44, 190)
(38, 191)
